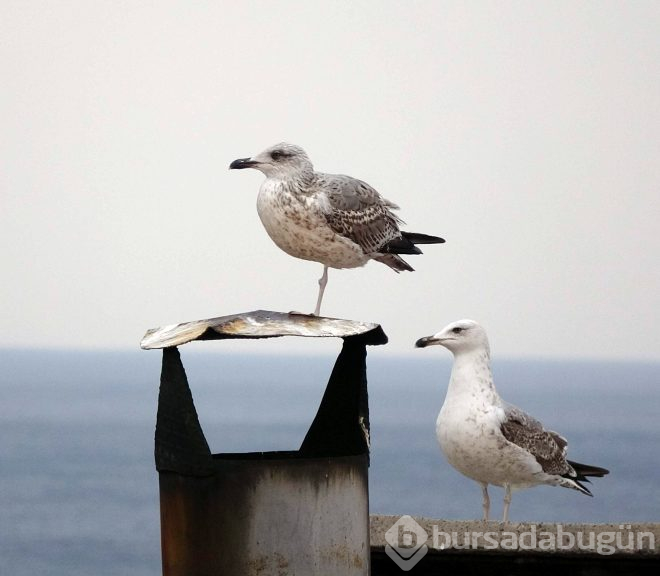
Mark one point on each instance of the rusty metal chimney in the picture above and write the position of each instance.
(269, 513)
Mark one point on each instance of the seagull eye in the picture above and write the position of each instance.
(457, 330)
(276, 155)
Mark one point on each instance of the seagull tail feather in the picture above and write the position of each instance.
(395, 262)
(580, 474)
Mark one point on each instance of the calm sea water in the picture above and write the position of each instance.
(79, 491)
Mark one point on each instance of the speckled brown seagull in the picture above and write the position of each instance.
(487, 439)
(336, 220)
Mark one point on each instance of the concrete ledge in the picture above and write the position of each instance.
(471, 547)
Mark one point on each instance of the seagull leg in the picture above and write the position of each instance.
(507, 502)
(486, 500)
(323, 280)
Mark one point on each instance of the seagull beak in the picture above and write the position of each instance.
(243, 163)
(428, 341)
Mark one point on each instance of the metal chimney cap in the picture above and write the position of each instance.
(260, 324)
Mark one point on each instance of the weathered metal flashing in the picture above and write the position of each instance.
(261, 324)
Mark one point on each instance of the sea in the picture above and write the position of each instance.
(79, 489)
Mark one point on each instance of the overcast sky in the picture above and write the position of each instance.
(525, 133)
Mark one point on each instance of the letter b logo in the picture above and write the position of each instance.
(406, 543)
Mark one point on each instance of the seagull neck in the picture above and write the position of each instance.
(471, 374)
(297, 182)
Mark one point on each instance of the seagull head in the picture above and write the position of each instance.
(279, 161)
(461, 336)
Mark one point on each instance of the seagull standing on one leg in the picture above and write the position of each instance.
(333, 219)
(487, 439)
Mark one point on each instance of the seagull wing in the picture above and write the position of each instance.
(548, 447)
(357, 211)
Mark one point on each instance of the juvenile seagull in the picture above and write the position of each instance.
(487, 439)
(333, 219)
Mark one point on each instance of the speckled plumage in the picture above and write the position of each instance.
(303, 223)
(489, 440)
(333, 219)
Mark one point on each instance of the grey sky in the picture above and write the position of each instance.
(525, 133)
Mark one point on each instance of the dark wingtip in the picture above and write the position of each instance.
(584, 470)
(581, 473)
(400, 246)
(417, 238)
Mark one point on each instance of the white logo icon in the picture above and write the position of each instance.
(406, 543)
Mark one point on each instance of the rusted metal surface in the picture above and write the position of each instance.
(268, 514)
(260, 324)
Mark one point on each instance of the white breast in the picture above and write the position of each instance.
(469, 435)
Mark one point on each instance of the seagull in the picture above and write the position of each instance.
(333, 219)
(489, 440)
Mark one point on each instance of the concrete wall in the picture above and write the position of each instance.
(493, 548)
